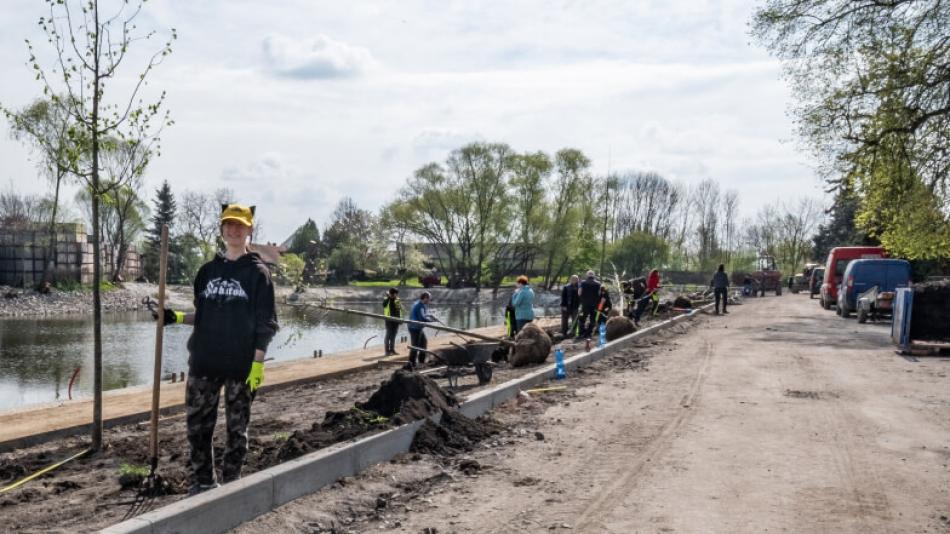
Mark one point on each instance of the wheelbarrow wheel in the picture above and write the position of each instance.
(862, 314)
(483, 372)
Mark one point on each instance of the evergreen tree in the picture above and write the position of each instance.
(303, 240)
(163, 213)
(840, 230)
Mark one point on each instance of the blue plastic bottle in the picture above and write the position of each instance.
(603, 334)
(559, 371)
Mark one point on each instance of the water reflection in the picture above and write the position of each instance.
(38, 355)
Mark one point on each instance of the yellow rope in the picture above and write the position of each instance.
(542, 390)
(43, 471)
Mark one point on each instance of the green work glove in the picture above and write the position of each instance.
(256, 376)
(170, 316)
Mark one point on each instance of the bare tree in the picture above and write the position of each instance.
(19, 211)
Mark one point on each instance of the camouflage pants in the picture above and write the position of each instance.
(201, 400)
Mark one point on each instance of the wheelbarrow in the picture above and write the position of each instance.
(873, 304)
(465, 360)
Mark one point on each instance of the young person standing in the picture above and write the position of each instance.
(234, 321)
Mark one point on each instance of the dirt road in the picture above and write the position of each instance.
(778, 417)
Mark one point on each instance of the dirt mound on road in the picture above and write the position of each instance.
(533, 346)
(617, 327)
(455, 433)
(404, 397)
(930, 318)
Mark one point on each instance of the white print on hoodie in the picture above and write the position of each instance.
(224, 290)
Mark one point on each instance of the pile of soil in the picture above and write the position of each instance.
(617, 327)
(407, 396)
(682, 302)
(532, 346)
(930, 317)
(404, 397)
(455, 433)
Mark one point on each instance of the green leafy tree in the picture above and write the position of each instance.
(567, 211)
(291, 269)
(530, 177)
(90, 49)
(638, 252)
(344, 259)
(189, 253)
(352, 230)
(871, 84)
(482, 170)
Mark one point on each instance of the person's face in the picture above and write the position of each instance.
(426, 300)
(234, 233)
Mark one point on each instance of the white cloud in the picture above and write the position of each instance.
(314, 58)
(668, 86)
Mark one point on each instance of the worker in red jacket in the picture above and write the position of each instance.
(652, 295)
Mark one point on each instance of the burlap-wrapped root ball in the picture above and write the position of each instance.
(617, 327)
(532, 346)
(682, 302)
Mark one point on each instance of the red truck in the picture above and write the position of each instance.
(838, 260)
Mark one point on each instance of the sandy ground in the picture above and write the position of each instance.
(780, 417)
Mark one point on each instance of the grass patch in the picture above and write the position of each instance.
(533, 280)
(410, 282)
(72, 285)
(132, 470)
(281, 436)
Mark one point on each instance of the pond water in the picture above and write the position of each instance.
(39, 355)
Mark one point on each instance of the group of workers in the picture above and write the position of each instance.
(586, 304)
(235, 319)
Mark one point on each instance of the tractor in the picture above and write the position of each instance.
(766, 278)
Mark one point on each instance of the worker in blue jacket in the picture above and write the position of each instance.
(417, 338)
(523, 301)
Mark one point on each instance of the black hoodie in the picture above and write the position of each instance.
(234, 315)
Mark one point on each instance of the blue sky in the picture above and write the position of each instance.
(295, 104)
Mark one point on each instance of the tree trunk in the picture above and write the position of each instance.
(51, 258)
(96, 253)
(121, 253)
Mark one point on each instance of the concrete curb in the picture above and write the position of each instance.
(226, 507)
(484, 401)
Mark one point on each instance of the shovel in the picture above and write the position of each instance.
(152, 484)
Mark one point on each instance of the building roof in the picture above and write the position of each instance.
(269, 252)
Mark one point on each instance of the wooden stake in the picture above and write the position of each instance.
(159, 337)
